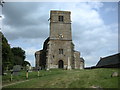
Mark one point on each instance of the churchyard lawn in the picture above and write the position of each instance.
(56, 78)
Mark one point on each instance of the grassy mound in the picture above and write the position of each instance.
(57, 78)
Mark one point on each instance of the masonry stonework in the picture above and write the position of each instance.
(58, 49)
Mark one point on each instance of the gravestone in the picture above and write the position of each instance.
(16, 69)
(115, 74)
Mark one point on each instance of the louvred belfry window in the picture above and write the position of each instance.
(61, 18)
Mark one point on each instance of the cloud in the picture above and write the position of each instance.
(30, 46)
(24, 20)
(31, 50)
(92, 37)
(99, 42)
(32, 31)
(109, 10)
(26, 24)
(15, 12)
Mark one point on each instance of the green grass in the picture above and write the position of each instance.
(22, 76)
(68, 79)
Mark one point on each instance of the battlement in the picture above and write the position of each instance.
(59, 12)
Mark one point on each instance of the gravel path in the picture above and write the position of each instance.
(15, 83)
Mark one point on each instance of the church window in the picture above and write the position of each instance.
(53, 56)
(60, 51)
(61, 18)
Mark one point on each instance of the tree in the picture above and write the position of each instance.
(19, 55)
(11, 56)
(25, 65)
(7, 55)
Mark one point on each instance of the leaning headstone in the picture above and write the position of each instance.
(115, 74)
(16, 69)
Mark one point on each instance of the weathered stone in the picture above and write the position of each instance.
(16, 69)
(58, 49)
(97, 87)
(115, 74)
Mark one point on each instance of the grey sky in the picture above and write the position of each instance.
(94, 27)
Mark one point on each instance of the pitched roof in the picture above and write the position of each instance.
(110, 60)
(81, 59)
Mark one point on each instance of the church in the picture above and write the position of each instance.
(58, 49)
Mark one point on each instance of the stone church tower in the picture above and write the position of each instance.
(58, 49)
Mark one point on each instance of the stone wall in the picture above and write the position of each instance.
(77, 59)
(53, 54)
(37, 58)
(57, 27)
(58, 49)
(82, 63)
